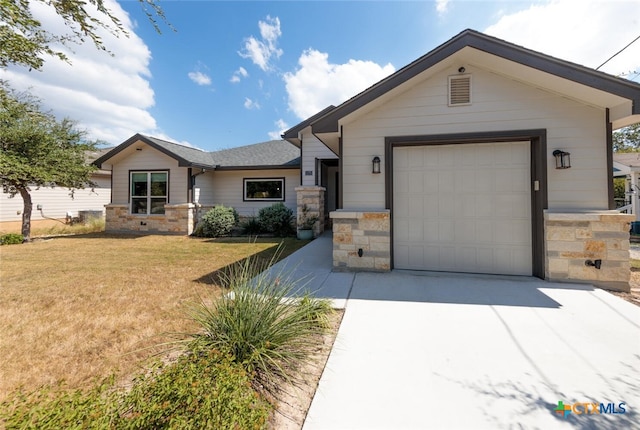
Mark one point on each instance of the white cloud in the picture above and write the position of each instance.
(317, 83)
(251, 104)
(108, 95)
(200, 78)
(282, 127)
(262, 51)
(238, 75)
(441, 6)
(586, 32)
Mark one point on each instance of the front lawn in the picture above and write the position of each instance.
(79, 308)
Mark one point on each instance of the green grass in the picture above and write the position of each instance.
(91, 306)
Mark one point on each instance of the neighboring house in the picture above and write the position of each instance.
(57, 203)
(449, 164)
(627, 165)
(159, 186)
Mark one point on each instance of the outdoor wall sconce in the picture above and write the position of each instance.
(563, 159)
(376, 164)
(462, 69)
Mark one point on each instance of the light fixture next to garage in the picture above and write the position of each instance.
(563, 159)
(376, 164)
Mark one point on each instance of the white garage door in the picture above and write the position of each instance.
(463, 208)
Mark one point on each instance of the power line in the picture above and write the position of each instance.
(614, 55)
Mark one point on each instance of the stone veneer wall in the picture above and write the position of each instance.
(313, 197)
(368, 231)
(177, 219)
(573, 238)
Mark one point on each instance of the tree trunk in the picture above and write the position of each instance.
(26, 214)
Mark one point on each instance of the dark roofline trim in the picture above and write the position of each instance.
(182, 162)
(140, 137)
(471, 38)
(292, 133)
(272, 167)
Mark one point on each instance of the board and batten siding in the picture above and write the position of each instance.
(57, 201)
(146, 160)
(226, 187)
(313, 149)
(498, 104)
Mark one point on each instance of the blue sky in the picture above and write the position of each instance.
(241, 72)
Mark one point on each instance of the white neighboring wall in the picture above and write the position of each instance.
(56, 202)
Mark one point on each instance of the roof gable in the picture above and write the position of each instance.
(271, 154)
(600, 81)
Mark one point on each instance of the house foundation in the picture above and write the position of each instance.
(313, 198)
(361, 240)
(177, 219)
(576, 241)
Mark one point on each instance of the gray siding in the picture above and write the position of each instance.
(226, 187)
(498, 104)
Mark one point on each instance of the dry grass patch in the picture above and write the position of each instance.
(78, 308)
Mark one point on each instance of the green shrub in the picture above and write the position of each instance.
(261, 324)
(201, 390)
(59, 408)
(276, 219)
(251, 227)
(218, 221)
(11, 239)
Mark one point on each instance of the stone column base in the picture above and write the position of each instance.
(571, 239)
(313, 198)
(361, 240)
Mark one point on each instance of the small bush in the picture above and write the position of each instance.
(201, 390)
(11, 239)
(261, 324)
(218, 221)
(276, 219)
(59, 408)
(251, 227)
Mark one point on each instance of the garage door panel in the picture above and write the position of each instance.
(469, 211)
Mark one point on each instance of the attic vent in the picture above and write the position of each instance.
(459, 90)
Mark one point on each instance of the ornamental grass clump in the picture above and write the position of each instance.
(262, 325)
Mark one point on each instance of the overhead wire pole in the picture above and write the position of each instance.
(614, 55)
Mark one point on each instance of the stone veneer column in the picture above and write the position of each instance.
(361, 240)
(573, 238)
(313, 197)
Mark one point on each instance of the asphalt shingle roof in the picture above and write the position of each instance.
(271, 153)
(190, 155)
(274, 153)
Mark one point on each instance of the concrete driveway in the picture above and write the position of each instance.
(418, 351)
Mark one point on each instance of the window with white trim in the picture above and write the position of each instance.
(264, 189)
(149, 192)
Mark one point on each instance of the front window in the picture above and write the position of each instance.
(148, 192)
(264, 189)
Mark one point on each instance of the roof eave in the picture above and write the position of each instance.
(329, 123)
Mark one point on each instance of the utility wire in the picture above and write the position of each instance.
(614, 55)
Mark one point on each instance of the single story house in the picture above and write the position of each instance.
(56, 203)
(160, 186)
(481, 156)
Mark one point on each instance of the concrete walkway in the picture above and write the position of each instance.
(418, 351)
